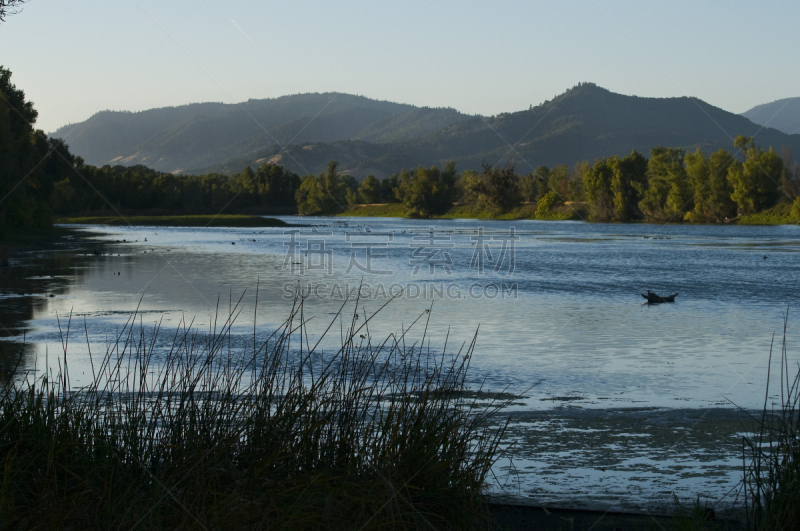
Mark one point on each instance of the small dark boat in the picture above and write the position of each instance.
(655, 298)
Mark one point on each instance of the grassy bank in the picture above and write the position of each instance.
(470, 211)
(222, 220)
(778, 215)
(372, 436)
(387, 210)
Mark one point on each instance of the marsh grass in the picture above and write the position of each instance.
(771, 457)
(277, 435)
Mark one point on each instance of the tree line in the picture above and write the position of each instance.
(672, 185)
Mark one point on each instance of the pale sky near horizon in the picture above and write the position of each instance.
(73, 59)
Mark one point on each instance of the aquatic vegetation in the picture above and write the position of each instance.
(275, 435)
(772, 457)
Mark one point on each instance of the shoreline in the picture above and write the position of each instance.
(516, 516)
(387, 210)
(779, 215)
(222, 220)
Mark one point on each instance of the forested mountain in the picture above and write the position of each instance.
(584, 123)
(368, 136)
(192, 136)
(783, 115)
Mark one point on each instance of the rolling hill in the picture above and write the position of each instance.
(584, 123)
(783, 115)
(304, 132)
(174, 139)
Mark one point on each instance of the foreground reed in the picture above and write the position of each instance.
(274, 435)
(772, 457)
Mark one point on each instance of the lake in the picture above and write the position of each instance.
(618, 404)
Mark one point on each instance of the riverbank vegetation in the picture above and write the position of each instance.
(771, 456)
(273, 434)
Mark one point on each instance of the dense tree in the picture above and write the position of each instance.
(370, 190)
(389, 188)
(324, 194)
(756, 181)
(497, 187)
(614, 187)
(712, 189)
(627, 184)
(535, 184)
(30, 163)
(545, 206)
(669, 192)
(429, 191)
(558, 180)
(790, 178)
(576, 190)
(597, 182)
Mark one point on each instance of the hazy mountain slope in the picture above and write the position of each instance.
(413, 124)
(588, 122)
(303, 132)
(583, 123)
(173, 138)
(783, 115)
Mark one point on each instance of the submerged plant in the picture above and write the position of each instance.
(274, 436)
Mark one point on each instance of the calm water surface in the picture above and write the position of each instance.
(623, 403)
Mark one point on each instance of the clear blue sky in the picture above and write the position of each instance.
(76, 58)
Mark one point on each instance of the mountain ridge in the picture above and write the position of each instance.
(170, 138)
(783, 115)
(304, 132)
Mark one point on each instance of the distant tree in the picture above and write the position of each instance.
(245, 182)
(544, 208)
(756, 181)
(325, 193)
(535, 184)
(597, 182)
(388, 189)
(10, 7)
(309, 196)
(370, 190)
(469, 186)
(627, 184)
(403, 185)
(497, 187)
(576, 190)
(429, 191)
(614, 187)
(349, 185)
(790, 178)
(712, 189)
(557, 180)
(669, 191)
(276, 186)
